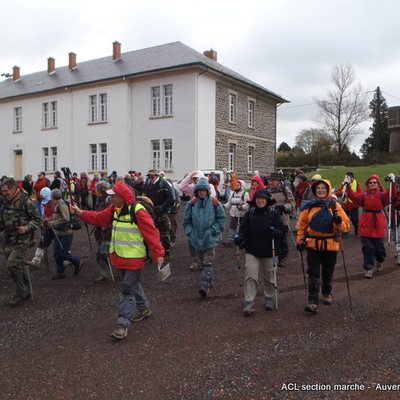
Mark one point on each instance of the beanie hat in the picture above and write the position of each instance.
(56, 194)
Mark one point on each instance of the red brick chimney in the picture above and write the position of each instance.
(72, 61)
(116, 51)
(51, 65)
(211, 54)
(16, 74)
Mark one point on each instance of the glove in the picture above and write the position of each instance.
(391, 177)
(158, 209)
(347, 180)
(239, 241)
(337, 219)
(281, 208)
(45, 223)
(240, 208)
(301, 246)
(274, 232)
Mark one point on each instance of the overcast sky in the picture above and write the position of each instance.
(287, 46)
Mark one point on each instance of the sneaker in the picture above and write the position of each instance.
(19, 299)
(58, 275)
(269, 303)
(102, 279)
(78, 268)
(328, 300)
(35, 263)
(194, 267)
(203, 291)
(379, 266)
(119, 333)
(248, 308)
(368, 273)
(312, 308)
(138, 315)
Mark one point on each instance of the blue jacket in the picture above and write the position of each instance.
(203, 220)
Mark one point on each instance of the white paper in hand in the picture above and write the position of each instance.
(165, 272)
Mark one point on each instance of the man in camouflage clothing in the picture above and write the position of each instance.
(18, 219)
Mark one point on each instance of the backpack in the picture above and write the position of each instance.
(63, 185)
(149, 207)
(75, 221)
(214, 180)
(215, 201)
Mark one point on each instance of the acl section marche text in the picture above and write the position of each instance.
(339, 387)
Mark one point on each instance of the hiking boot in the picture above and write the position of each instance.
(368, 273)
(138, 315)
(194, 267)
(282, 262)
(248, 308)
(35, 263)
(203, 291)
(269, 303)
(312, 308)
(328, 300)
(19, 299)
(102, 279)
(379, 266)
(78, 268)
(58, 275)
(119, 333)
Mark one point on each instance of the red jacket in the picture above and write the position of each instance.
(373, 219)
(346, 204)
(39, 185)
(300, 188)
(146, 225)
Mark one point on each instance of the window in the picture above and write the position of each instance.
(98, 157)
(155, 154)
(98, 108)
(18, 119)
(250, 159)
(161, 157)
(232, 108)
(49, 115)
(231, 156)
(251, 114)
(162, 106)
(50, 159)
(168, 154)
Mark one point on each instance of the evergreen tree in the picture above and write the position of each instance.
(283, 148)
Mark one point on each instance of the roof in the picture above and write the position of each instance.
(158, 58)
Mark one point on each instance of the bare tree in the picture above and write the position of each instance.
(308, 139)
(345, 107)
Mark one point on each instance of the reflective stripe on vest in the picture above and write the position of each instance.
(126, 239)
(354, 189)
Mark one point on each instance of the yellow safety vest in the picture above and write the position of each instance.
(353, 188)
(126, 238)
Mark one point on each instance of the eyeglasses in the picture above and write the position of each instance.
(372, 183)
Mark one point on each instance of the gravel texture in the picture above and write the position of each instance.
(57, 346)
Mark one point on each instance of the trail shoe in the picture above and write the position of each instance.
(282, 262)
(203, 291)
(194, 267)
(138, 315)
(119, 333)
(58, 275)
(328, 300)
(35, 263)
(269, 303)
(248, 308)
(102, 279)
(379, 266)
(78, 268)
(312, 308)
(19, 299)
(368, 273)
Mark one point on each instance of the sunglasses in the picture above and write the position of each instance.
(372, 183)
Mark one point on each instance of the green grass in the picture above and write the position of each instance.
(336, 174)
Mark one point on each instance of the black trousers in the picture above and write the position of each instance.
(320, 263)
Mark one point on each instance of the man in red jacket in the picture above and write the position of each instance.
(131, 226)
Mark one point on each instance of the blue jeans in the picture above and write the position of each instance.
(62, 251)
(373, 249)
(133, 296)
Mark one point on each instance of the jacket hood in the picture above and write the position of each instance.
(326, 183)
(376, 177)
(259, 180)
(202, 184)
(122, 189)
(46, 194)
(242, 184)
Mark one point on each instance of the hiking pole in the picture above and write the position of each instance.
(111, 272)
(275, 267)
(304, 272)
(390, 211)
(238, 254)
(29, 279)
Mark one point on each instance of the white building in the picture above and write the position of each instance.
(166, 107)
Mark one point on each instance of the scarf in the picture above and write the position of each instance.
(322, 221)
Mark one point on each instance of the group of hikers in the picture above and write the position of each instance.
(129, 224)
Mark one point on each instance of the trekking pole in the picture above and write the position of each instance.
(29, 279)
(111, 272)
(345, 269)
(304, 272)
(274, 265)
(238, 254)
(390, 211)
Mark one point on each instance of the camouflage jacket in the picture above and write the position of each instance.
(22, 212)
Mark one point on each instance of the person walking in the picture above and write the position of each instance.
(83, 191)
(204, 221)
(19, 219)
(27, 185)
(63, 234)
(372, 226)
(131, 227)
(260, 232)
(321, 221)
(351, 208)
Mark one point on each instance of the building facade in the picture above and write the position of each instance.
(167, 107)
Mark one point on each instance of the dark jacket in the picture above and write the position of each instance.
(160, 193)
(255, 230)
(102, 234)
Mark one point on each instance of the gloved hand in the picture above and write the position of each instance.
(239, 241)
(274, 232)
(337, 219)
(391, 177)
(158, 209)
(281, 208)
(239, 207)
(347, 180)
(301, 246)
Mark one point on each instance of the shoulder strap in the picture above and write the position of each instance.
(215, 201)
